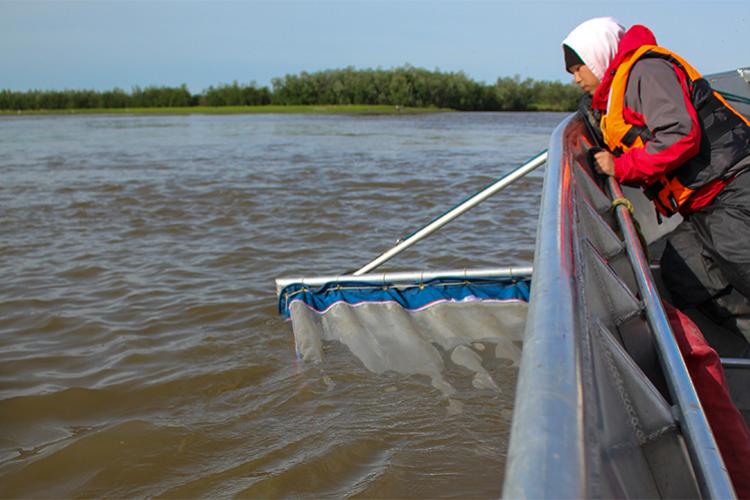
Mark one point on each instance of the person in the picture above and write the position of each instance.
(666, 130)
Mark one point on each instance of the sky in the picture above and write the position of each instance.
(102, 44)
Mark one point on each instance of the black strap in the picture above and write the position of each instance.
(591, 119)
(635, 132)
(653, 190)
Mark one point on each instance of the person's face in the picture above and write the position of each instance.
(584, 78)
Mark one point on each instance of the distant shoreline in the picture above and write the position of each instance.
(347, 91)
(353, 109)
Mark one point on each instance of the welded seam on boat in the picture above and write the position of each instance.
(594, 420)
(609, 284)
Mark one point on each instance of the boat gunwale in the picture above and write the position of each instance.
(547, 433)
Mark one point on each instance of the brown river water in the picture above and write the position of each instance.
(141, 353)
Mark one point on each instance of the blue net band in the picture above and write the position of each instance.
(410, 296)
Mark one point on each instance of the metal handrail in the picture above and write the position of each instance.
(463, 207)
(712, 475)
(743, 363)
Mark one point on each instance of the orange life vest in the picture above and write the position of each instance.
(717, 118)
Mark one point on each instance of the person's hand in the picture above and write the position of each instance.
(604, 162)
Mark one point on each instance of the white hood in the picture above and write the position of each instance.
(595, 41)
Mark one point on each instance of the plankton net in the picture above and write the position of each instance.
(411, 322)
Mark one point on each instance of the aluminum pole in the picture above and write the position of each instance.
(467, 205)
(742, 363)
(408, 276)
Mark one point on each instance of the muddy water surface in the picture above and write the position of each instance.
(141, 353)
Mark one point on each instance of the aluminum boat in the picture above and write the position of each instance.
(604, 403)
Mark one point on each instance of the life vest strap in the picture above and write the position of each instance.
(652, 191)
(634, 133)
(661, 195)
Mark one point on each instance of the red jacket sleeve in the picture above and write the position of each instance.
(657, 97)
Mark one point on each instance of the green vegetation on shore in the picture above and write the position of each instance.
(351, 109)
(404, 89)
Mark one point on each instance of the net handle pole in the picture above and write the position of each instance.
(455, 212)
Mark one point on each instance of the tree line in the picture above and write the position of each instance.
(404, 86)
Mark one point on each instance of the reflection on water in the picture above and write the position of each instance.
(140, 349)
